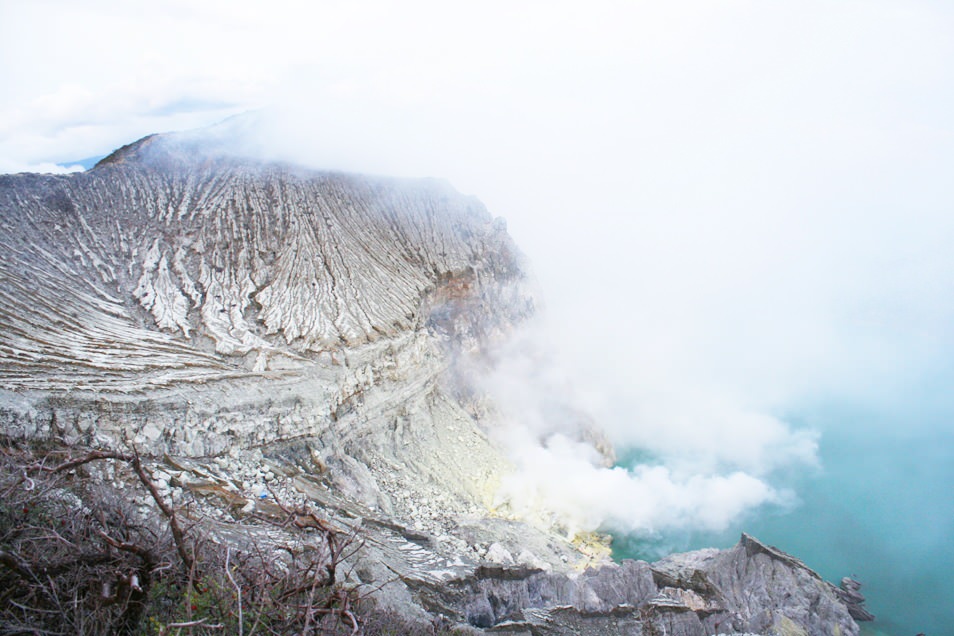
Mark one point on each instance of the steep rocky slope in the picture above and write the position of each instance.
(256, 327)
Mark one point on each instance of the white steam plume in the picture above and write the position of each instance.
(562, 482)
(701, 473)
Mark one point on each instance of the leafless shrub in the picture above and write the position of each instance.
(70, 567)
(77, 557)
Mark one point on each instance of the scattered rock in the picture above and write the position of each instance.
(499, 555)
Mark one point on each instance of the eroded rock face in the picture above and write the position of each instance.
(751, 588)
(198, 304)
(249, 324)
(165, 270)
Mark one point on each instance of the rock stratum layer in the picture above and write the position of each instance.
(249, 325)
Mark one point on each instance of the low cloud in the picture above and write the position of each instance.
(11, 167)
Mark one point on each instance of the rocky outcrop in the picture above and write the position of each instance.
(750, 588)
(259, 329)
(849, 593)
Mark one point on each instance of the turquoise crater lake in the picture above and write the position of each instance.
(880, 509)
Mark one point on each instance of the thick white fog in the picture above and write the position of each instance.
(733, 209)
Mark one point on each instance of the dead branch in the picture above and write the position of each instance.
(238, 590)
(39, 572)
(86, 459)
(199, 623)
(177, 535)
(143, 553)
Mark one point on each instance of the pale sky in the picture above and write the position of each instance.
(731, 206)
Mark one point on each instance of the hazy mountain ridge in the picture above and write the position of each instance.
(244, 314)
(229, 258)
